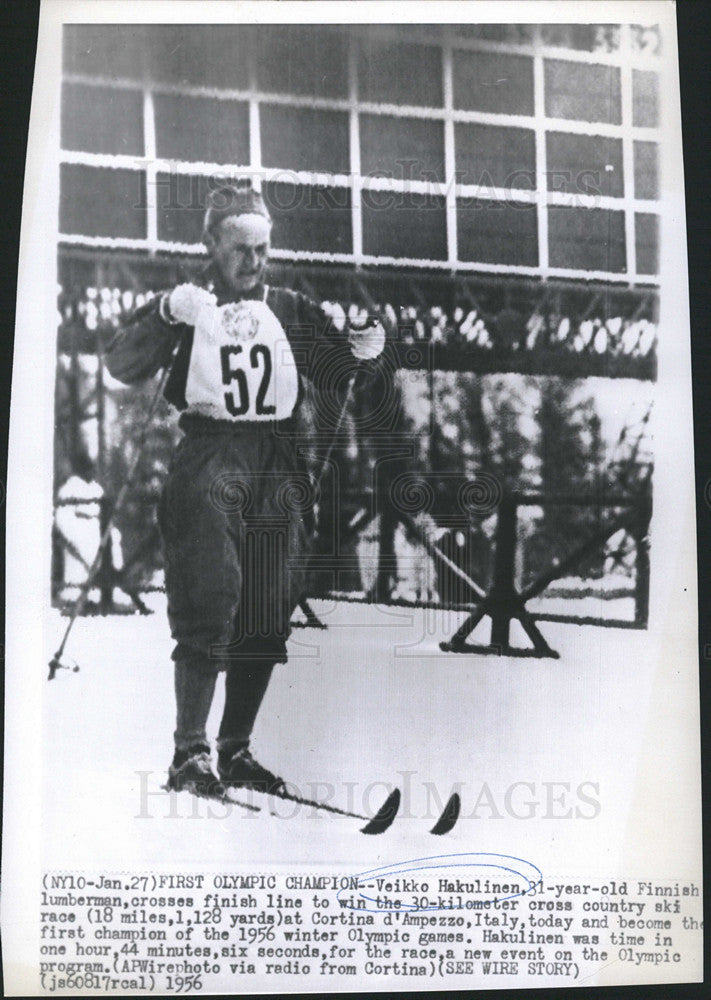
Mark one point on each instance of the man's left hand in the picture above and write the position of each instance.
(367, 342)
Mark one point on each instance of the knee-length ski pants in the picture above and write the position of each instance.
(235, 520)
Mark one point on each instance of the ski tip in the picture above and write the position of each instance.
(450, 815)
(385, 815)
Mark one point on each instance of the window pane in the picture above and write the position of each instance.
(588, 93)
(396, 224)
(95, 201)
(493, 81)
(647, 242)
(646, 38)
(514, 34)
(646, 171)
(404, 148)
(398, 73)
(302, 59)
(305, 139)
(497, 232)
(305, 218)
(201, 129)
(310, 218)
(490, 156)
(200, 55)
(181, 207)
(588, 239)
(584, 37)
(584, 164)
(102, 119)
(645, 98)
(104, 50)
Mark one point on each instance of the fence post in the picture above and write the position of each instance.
(74, 399)
(386, 571)
(641, 590)
(106, 571)
(503, 590)
(387, 564)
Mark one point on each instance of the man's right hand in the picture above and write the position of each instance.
(184, 303)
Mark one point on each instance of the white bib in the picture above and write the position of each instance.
(241, 364)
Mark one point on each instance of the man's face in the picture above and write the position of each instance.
(239, 246)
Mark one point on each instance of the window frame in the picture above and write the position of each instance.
(625, 58)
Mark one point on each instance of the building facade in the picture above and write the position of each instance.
(510, 149)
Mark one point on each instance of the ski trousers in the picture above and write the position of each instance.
(236, 518)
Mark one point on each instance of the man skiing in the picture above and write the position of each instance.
(234, 544)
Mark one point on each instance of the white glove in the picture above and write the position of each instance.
(184, 303)
(368, 342)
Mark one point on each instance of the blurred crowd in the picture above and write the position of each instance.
(101, 309)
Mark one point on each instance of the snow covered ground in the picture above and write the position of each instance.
(545, 752)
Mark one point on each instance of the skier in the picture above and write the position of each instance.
(234, 540)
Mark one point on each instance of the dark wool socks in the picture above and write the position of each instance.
(194, 692)
(245, 686)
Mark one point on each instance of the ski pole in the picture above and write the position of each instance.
(336, 430)
(371, 321)
(55, 663)
(312, 619)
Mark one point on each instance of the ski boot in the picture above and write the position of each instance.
(238, 768)
(191, 770)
